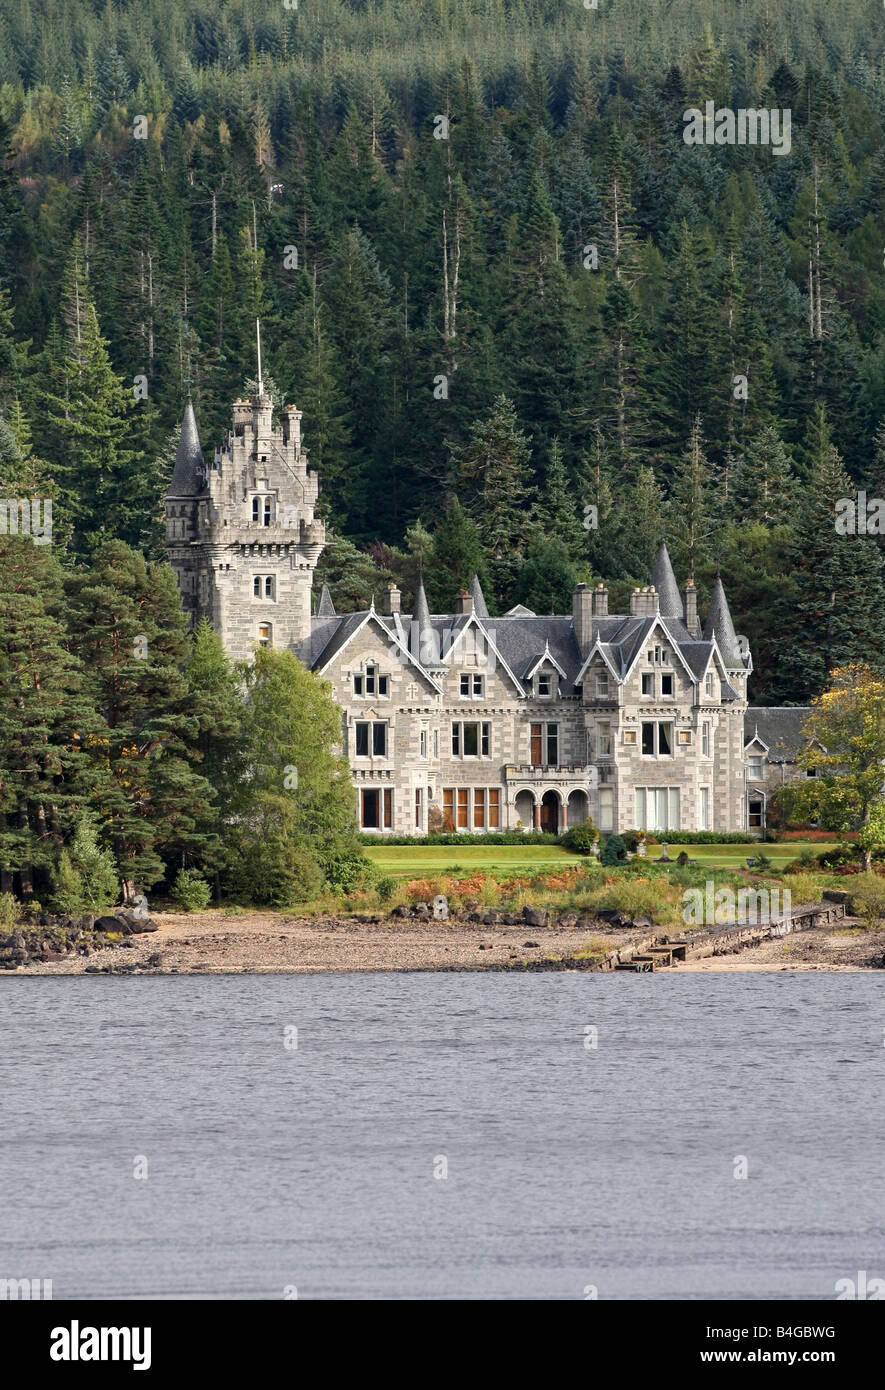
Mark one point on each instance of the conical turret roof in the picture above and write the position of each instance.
(720, 626)
(188, 474)
(479, 603)
(325, 607)
(421, 612)
(664, 580)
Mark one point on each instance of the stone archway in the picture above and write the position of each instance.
(578, 807)
(551, 813)
(525, 809)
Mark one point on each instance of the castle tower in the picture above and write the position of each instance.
(241, 533)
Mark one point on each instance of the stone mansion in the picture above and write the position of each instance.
(460, 720)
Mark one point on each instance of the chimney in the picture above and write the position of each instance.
(600, 601)
(644, 602)
(582, 620)
(690, 607)
(262, 409)
(290, 417)
(393, 598)
(464, 602)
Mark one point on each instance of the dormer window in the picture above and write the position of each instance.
(471, 686)
(371, 682)
(708, 685)
(545, 685)
(755, 765)
(602, 685)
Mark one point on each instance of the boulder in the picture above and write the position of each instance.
(124, 922)
(535, 916)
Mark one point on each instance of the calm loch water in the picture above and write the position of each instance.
(271, 1166)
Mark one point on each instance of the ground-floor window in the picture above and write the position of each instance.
(419, 807)
(376, 808)
(704, 809)
(657, 808)
(755, 812)
(485, 803)
(606, 809)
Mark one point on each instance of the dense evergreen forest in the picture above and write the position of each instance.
(499, 284)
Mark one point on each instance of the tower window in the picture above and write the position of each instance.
(268, 586)
(255, 508)
(267, 511)
(265, 635)
(256, 586)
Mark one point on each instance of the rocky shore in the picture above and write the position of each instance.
(534, 939)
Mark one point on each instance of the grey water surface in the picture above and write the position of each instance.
(569, 1168)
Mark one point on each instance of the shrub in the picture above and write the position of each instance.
(9, 911)
(581, 838)
(191, 891)
(385, 888)
(346, 867)
(638, 898)
(868, 899)
(272, 874)
(453, 837)
(86, 877)
(762, 860)
(843, 853)
(615, 851)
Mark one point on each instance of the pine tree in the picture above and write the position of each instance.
(833, 616)
(763, 484)
(557, 512)
(88, 428)
(689, 509)
(127, 627)
(546, 578)
(45, 718)
(457, 556)
(491, 474)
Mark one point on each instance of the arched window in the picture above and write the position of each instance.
(256, 586)
(255, 508)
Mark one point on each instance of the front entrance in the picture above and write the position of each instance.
(550, 813)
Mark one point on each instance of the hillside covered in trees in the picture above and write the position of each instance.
(499, 284)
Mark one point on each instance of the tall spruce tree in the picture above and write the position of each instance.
(833, 617)
(128, 630)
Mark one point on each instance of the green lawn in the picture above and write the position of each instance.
(426, 861)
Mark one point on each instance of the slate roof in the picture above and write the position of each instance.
(779, 727)
(188, 476)
(520, 639)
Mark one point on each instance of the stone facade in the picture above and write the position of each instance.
(462, 720)
(240, 532)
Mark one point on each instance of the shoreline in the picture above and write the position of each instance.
(281, 943)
